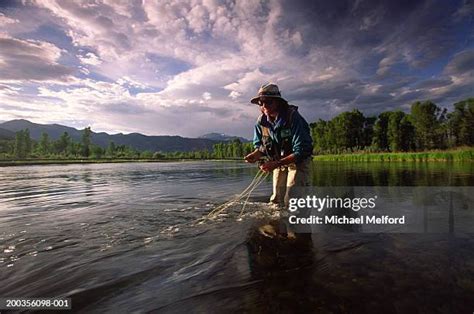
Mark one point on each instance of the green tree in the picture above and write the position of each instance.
(75, 149)
(236, 148)
(44, 146)
(22, 147)
(146, 154)
(349, 129)
(394, 131)
(380, 136)
(227, 150)
(218, 150)
(407, 133)
(28, 142)
(368, 132)
(461, 122)
(248, 148)
(96, 151)
(6, 147)
(86, 142)
(159, 155)
(425, 117)
(110, 152)
(62, 144)
(320, 135)
(19, 150)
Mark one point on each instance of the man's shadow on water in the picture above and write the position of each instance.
(287, 267)
(279, 263)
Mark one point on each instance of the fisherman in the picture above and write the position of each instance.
(283, 137)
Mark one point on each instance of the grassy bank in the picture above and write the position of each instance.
(460, 154)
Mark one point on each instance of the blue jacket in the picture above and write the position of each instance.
(301, 142)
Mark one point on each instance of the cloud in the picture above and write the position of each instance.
(234, 95)
(5, 20)
(30, 60)
(125, 108)
(462, 62)
(129, 82)
(206, 96)
(465, 10)
(142, 66)
(409, 40)
(19, 108)
(90, 59)
(434, 83)
(9, 90)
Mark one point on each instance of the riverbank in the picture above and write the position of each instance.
(32, 162)
(460, 154)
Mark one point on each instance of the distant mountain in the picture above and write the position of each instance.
(53, 130)
(220, 137)
(6, 134)
(136, 140)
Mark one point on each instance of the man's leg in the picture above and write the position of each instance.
(298, 179)
(277, 199)
(279, 186)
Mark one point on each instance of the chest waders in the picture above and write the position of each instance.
(273, 150)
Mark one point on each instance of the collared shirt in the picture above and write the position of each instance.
(301, 142)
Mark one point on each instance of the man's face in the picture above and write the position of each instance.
(269, 106)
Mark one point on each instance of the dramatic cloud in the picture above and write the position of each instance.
(190, 67)
(462, 62)
(23, 60)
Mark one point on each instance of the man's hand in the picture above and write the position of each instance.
(253, 157)
(269, 166)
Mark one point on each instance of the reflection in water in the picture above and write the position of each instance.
(393, 174)
(93, 233)
(275, 260)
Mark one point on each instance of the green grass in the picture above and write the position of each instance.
(460, 154)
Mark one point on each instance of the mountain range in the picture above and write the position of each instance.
(163, 143)
(223, 137)
(6, 134)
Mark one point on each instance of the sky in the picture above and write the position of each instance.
(191, 67)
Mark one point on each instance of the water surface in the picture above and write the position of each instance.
(118, 237)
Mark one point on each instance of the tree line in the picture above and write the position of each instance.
(426, 127)
(24, 147)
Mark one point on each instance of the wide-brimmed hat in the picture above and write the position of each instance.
(267, 90)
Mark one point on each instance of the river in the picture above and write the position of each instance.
(122, 238)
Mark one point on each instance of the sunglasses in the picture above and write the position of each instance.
(265, 101)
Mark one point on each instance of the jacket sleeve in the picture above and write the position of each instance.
(257, 137)
(302, 143)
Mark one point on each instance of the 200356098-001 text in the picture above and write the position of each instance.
(35, 303)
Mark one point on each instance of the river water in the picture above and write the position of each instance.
(122, 238)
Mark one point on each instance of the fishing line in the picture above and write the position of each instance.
(219, 209)
(262, 178)
(257, 180)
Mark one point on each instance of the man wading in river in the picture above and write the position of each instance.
(283, 136)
